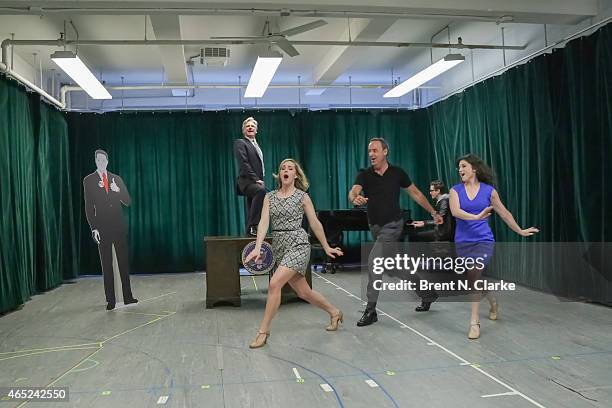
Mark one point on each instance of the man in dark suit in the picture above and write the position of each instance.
(104, 194)
(251, 171)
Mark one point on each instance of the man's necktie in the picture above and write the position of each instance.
(260, 154)
(105, 181)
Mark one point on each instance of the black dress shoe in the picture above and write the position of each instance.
(423, 307)
(369, 317)
(129, 301)
(110, 306)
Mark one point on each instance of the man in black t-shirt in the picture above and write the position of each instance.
(381, 184)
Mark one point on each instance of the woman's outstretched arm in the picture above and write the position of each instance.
(508, 218)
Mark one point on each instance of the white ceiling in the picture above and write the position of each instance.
(475, 21)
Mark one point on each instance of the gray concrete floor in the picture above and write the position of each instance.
(543, 352)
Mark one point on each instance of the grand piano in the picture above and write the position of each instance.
(335, 222)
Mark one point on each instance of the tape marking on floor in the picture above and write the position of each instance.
(473, 366)
(298, 377)
(371, 383)
(326, 387)
(498, 395)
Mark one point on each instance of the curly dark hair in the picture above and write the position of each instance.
(483, 172)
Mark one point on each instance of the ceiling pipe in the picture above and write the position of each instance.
(228, 108)
(5, 69)
(62, 42)
(65, 89)
(70, 88)
(221, 11)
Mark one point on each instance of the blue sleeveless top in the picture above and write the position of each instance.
(473, 230)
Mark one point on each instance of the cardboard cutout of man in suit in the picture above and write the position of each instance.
(251, 171)
(105, 194)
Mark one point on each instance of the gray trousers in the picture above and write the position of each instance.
(390, 232)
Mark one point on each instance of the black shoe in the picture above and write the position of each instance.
(425, 305)
(130, 301)
(253, 231)
(110, 306)
(369, 317)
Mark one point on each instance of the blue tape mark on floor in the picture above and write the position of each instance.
(340, 403)
(383, 389)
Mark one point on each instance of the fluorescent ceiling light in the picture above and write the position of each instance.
(315, 92)
(319, 107)
(72, 65)
(425, 75)
(262, 74)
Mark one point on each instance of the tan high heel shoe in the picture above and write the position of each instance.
(474, 332)
(335, 321)
(260, 340)
(493, 311)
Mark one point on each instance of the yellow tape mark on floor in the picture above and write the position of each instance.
(136, 328)
(99, 346)
(78, 370)
(156, 297)
(48, 351)
(140, 313)
(67, 372)
(49, 348)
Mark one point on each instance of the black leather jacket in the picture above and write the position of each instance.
(445, 231)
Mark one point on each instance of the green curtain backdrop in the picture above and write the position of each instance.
(18, 206)
(37, 244)
(56, 238)
(180, 171)
(545, 127)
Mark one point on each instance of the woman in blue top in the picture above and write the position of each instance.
(471, 203)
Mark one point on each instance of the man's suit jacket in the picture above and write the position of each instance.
(445, 231)
(104, 210)
(250, 168)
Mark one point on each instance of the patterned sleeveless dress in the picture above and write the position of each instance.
(290, 243)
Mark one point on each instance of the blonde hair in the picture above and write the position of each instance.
(301, 181)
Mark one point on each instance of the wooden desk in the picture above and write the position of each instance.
(223, 260)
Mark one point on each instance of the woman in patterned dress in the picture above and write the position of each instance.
(285, 207)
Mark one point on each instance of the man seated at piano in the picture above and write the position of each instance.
(444, 232)
(430, 231)
(381, 184)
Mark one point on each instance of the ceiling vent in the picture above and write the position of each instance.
(214, 56)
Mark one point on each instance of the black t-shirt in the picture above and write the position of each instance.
(383, 193)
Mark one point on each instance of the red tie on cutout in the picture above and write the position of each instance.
(105, 181)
